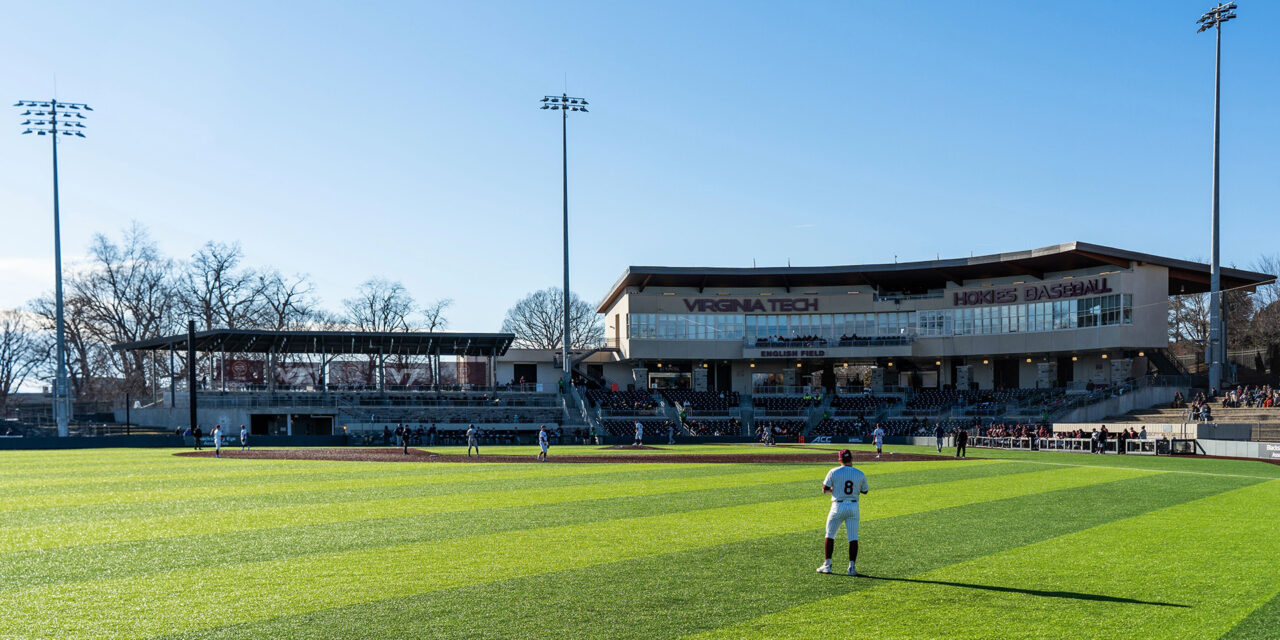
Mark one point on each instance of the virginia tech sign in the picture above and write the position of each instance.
(748, 305)
(1031, 293)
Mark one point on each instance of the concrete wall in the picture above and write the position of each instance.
(1142, 398)
(1235, 449)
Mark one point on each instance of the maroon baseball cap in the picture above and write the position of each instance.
(845, 454)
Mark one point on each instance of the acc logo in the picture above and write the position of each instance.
(821, 440)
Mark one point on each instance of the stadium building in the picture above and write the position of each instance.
(1058, 316)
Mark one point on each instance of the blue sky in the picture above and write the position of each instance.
(350, 140)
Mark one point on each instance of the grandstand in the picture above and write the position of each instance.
(336, 382)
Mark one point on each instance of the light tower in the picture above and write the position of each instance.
(1217, 350)
(52, 118)
(564, 104)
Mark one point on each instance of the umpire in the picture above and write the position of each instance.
(962, 439)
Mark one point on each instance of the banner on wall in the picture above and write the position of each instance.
(408, 375)
(351, 372)
(243, 371)
(297, 374)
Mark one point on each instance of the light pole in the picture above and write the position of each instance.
(52, 118)
(564, 104)
(1217, 350)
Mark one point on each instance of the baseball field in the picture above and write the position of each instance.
(142, 543)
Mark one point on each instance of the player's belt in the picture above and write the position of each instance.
(844, 500)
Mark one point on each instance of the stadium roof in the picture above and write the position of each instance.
(333, 342)
(1184, 276)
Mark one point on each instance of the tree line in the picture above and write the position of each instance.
(1253, 322)
(129, 290)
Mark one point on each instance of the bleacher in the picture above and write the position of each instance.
(713, 427)
(782, 405)
(653, 428)
(931, 401)
(860, 404)
(783, 428)
(840, 427)
(622, 401)
(702, 401)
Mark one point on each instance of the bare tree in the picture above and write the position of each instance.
(286, 302)
(433, 318)
(128, 294)
(537, 320)
(379, 305)
(19, 353)
(216, 292)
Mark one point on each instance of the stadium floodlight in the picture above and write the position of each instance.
(562, 103)
(1217, 349)
(54, 110)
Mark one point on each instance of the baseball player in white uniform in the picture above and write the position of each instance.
(845, 484)
(878, 434)
(639, 434)
(472, 442)
(542, 443)
(244, 439)
(217, 441)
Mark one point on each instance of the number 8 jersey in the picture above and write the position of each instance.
(846, 483)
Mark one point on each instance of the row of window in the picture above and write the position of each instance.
(1011, 318)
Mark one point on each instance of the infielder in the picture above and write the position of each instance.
(939, 434)
(405, 434)
(244, 439)
(845, 484)
(217, 441)
(542, 443)
(472, 442)
(639, 434)
(878, 434)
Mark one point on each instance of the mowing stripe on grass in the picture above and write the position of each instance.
(1259, 625)
(120, 559)
(354, 479)
(690, 591)
(1100, 582)
(359, 489)
(130, 607)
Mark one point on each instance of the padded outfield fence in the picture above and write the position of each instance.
(1149, 446)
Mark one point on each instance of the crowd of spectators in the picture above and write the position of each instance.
(1251, 397)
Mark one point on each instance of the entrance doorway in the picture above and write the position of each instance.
(526, 373)
(1005, 373)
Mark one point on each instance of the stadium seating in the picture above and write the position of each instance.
(860, 404)
(621, 401)
(653, 428)
(783, 428)
(703, 401)
(713, 427)
(782, 405)
(836, 427)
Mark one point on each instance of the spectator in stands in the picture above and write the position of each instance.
(1142, 435)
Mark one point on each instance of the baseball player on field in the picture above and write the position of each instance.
(639, 434)
(244, 439)
(845, 484)
(542, 443)
(878, 434)
(939, 434)
(217, 441)
(472, 441)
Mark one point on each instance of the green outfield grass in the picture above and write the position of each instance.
(140, 544)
